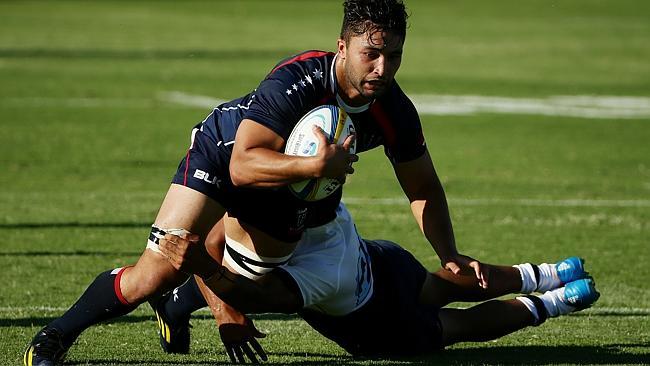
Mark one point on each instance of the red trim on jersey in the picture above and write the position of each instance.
(301, 57)
(187, 167)
(116, 287)
(384, 122)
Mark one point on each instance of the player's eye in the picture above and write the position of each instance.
(371, 54)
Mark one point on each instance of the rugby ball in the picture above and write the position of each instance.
(303, 142)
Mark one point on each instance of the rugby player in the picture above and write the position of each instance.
(374, 299)
(234, 169)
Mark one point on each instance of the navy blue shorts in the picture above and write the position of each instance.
(392, 323)
(276, 212)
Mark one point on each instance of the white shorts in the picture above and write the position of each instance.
(331, 267)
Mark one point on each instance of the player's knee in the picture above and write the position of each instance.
(151, 276)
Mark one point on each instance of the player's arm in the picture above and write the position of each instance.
(256, 159)
(422, 186)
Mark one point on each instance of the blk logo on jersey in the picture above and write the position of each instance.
(205, 176)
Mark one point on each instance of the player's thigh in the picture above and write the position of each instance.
(182, 208)
(186, 208)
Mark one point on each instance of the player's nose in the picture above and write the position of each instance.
(380, 66)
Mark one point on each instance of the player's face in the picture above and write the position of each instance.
(370, 62)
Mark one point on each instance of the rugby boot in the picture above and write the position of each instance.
(174, 338)
(570, 269)
(46, 349)
(574, 296)
(552, 276)
(581, 294)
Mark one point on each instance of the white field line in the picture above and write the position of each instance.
(456, 201)
(506, 202)
(584, 106)
(189, 99)
(592, 311)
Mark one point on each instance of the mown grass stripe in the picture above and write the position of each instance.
(509, 202)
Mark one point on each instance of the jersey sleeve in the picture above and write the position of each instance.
(288, 92)
(408, 143)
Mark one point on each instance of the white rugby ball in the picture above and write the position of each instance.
(303, 142)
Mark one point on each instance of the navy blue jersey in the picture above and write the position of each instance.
(292, 88)
(297, 85)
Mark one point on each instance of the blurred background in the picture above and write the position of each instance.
(536, 113)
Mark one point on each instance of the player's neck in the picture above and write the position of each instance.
(348, 93)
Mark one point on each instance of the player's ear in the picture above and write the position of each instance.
(341, 48)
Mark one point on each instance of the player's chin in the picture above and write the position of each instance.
(373, 93)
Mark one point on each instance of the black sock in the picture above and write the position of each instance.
(101, 301)
(183, 301)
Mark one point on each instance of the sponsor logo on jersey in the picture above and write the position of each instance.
(205, 176)
(301, 215)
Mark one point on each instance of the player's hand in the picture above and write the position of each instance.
(335, 161)
(187, 254)
(459, 264)
(240, 340)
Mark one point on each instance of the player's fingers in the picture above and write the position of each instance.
(349, 170)
(453, 267)
(485, 275)
(231, 353)
(249, 352)
(347, 143)
(258, 348)
(320, 135)
(239, 354)
(167, 249)
(479, 273)
(354, 158)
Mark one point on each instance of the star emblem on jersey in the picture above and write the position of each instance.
(318, 75)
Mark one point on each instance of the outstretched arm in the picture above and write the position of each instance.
(422, 186)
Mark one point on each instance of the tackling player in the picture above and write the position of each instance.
(373, 298)
(234, 169)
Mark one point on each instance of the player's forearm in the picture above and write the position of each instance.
(266, 295)
(222, 312)
(260, 167)
(432, 215)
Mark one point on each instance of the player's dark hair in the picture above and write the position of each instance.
(361, 16)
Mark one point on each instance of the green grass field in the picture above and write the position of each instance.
(88, 147)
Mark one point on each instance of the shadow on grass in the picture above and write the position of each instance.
(510, 355)
(74, 224)
(135, 54)
(40, 321)
(540, 355)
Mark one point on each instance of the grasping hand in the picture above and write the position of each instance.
(462, 263)
(335, 160)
